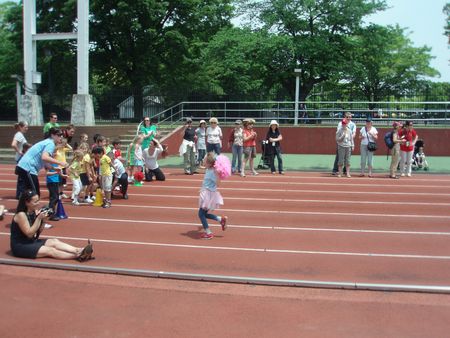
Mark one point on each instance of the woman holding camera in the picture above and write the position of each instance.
(27, 225)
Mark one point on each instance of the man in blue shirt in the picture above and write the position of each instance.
(36, 158)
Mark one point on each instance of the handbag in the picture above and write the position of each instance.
(371, 146)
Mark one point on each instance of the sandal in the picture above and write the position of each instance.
(86, 253)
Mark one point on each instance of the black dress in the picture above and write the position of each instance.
(21, 245)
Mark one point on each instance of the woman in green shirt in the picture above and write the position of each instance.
(148, 130)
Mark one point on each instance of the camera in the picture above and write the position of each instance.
(49, 211)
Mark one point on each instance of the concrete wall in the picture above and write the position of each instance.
(296, 140)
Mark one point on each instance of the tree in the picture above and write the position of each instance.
(10, 59)
(317, 34)
(153, 42)
(446, 11)
(386, 63)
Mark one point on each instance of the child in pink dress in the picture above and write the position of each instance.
(210, 199)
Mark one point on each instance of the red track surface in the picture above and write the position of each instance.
(301, 226)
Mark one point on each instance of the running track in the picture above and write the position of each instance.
(301, 229)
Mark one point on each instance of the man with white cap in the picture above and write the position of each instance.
(273, 147)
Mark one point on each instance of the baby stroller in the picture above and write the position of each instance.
(419, 161)
(264, 161)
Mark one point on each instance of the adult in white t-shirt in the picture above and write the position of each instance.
(19, 138)
(367, 134)
(150, 155)
(214, 136)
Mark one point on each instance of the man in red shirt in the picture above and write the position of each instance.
(407, 148)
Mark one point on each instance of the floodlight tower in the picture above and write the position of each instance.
(30, 104)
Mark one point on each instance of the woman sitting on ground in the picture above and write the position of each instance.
(27, 225)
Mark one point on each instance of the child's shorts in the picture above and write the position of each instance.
(84, 179)
(107, 183)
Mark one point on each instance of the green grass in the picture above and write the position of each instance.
(438, 164)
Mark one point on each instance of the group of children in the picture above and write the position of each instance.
(91, 168)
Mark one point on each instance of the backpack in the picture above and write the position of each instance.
(389, 140)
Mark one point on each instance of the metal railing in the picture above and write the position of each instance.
(329, 112)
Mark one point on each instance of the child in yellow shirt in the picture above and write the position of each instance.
(105, 174)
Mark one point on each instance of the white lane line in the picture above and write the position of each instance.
(262, 227)
(346, 184)
(341, 183)
(298, 200)
(382, 193)
(265, 250)
(275, 212)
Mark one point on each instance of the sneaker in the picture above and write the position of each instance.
(223, 222)
(402, 175)
(205, 235)
(281, 172)
(125, 196)
(242, 174)
(54, 218)
(75, 202)
(48, 226)
(409, 175)
(106, 205)
(88, 200)
(255, 173)
(117, 188)
(64, 196)
(92, 198)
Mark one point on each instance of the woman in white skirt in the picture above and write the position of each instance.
(210, 199)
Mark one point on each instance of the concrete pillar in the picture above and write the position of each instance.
(30, 110)
(82, 110)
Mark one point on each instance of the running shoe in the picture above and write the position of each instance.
(205, 235)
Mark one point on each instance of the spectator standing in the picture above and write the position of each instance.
(352, 127)
(249, 142)
(367, 134)
(187, 148)
(214, 136)
(395, 151)
(236, 143)
(17, 144)
(19, 139)
(52, 123)
(200, 134)
(273, 147)
(344, 139)
(148, 131)
(407, 148)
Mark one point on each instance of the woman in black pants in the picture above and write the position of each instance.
(273, 147)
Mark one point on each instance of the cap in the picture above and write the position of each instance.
(368, 119)
(201, 121)
(273, 122)
(238, 122)
(188, 120)
(344, 121)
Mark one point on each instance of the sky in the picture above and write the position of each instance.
(424, 21)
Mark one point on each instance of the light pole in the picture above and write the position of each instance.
(297, 72)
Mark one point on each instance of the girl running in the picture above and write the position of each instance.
(216, 168)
